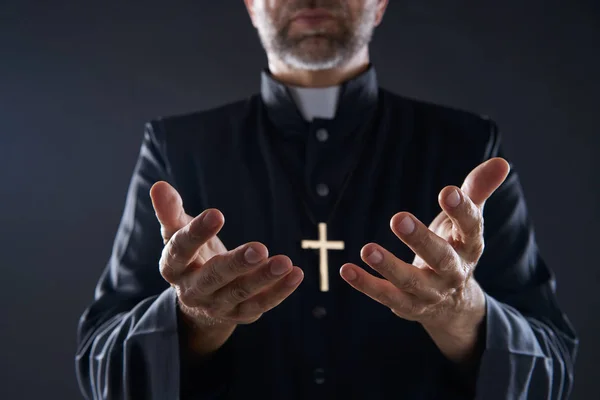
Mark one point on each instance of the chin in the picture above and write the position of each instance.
(318, 42)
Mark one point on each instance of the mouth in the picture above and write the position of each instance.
(312, 16)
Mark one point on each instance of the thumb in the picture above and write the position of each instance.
(485, 179)
(168, 207)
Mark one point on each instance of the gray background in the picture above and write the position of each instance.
(79, 78)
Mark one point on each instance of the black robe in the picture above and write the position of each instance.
(274, 177)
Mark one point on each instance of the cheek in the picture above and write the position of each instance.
(280, 17)
(357, 7)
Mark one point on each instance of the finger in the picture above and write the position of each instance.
(378, 289)
(252, 308)
(485, 179)
(168, 208)
(224, 268)
(434, 250)
(467, 221)
(423, 283)
(182, 248)
(250, 284)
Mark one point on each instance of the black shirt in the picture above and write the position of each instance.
(265, 168)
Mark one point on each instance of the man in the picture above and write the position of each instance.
(312, 170)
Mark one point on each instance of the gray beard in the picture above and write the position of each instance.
(336, 52)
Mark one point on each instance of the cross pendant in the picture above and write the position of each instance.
(323, 245)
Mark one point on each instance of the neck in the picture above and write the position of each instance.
(320, 78)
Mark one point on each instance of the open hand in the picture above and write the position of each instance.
(216, 286)
(437, 289)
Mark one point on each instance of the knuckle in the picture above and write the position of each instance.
(166, 270)
(436, 296)
(238, 263)
(192, 234)
(174, 250)
(232, 263)
(410, 307)
(449, 293)
(447, 259)
(409, 283)
(384, 298)
(210, 278)
(456, 279)
(238, 293)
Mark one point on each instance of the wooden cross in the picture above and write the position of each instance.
(323, 245)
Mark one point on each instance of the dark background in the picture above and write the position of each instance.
(79, 78)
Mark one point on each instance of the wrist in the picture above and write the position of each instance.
(203, 335)
(460, 337)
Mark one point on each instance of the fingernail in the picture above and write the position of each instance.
(349, 274)
(252, 256)
(374, 258)
(453, 199)
(211, 219)
(294, 279)
(279, 268)
(406, 226)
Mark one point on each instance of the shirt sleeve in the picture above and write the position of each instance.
(530, 345)
(129, 337)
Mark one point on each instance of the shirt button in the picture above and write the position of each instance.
(322, 135)
(319, 312)
(322, 189)
(319, 376)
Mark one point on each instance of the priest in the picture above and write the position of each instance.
(324, 238)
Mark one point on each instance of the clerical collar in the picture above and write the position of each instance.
(316, 102)
(356, 100)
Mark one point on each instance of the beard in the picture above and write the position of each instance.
(315, 48)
